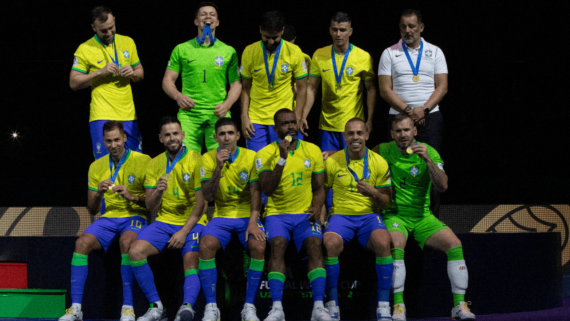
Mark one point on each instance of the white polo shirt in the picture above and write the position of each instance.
(395, 63)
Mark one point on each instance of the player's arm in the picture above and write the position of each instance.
(318, 186)
(388, 94)
(437, 176)
(270, 180)
(252, 228)
(211, 186)
(439, 92)
(169, 87)
(179, 238)
(246, 125)
(79, 80)
(301, 101)
(233, 94)
(94, 197)
(136, 73)
(370, 103)
(312, 87)
(133, 198)
(381, 196)
(154, 195)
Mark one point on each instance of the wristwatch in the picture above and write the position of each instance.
(407, 109)
(426, 111)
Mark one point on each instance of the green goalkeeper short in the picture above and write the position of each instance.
(199, 130)
(421, 227)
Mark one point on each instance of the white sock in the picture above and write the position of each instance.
(277, 305)
(159, 305)
(399, 276)
(76, 306)
(248, 304)
(127, 307)
(383, 304)
(213, 305)
(458, 276)
(318, 304)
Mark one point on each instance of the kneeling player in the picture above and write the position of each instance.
(117, 178)
(173, 189)
(229, 178)
(361, 186)
(414, 166)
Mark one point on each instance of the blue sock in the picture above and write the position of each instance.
(145, 278)
(128, 277)
(253, 279)
(208, 278)
(318, 278)
(276, 284)
(78, 276)
(384, 270)
(333, 271)
(191, 286)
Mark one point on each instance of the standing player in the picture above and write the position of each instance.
(360, 180)
(108, 63)
(414, 167)
(268, 69)
(291, 173)
(290, 34)
(117, 178)
(206, 65)
(173, 189)
(229, 178)
(345, 71)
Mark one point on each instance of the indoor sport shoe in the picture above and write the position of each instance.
(185, 313)
(399, 313)
(211, 313)
(249, 313)
(72, 314)
(154, 314)
(333, 310)
(320, 314)
(383, 311)
(127, 313)
(462, 312)
(275, 314)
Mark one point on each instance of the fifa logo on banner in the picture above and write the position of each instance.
(98, 146)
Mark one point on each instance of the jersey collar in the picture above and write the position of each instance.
(183, 155)
(280, 44)
(349, 48)
(101, 42)
(346, 153)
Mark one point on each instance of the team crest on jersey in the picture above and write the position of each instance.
(428, 53)
(243, 176)
(202, 172)
(75, 61)
(414, 171)
(186, 177)
(131, 179)
(126, 54)
(219, 61)
(98, 146)
(284, 68)
(396, 225)
(349, 71)
(307, 163)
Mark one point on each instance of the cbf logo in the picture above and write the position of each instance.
(349, 71)
(186, 177)
(428, 53)
(219, 61)
(126, 54)
(307, 163)
(414, 171)
(131, 179)
(284, 68)
(98, 145)
(243, 176)
(396, 225)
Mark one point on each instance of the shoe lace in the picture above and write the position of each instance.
(399, 309)
(69, 311)
(127, 312)
(465, 307)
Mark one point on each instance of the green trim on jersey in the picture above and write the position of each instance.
(80, 70)
(93, 189)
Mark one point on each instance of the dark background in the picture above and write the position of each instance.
(504, 115)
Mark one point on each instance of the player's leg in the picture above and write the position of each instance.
(134, 139)
(190, 257)
(398, 229)
(256, 248)
(259, 139)
(96, 130)
(209, 131)
(193, 130)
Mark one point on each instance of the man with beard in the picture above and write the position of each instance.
(206, 65)
(414, 168)
(117, 178)
(361, 186)
(173, 189)
(291, 175)
(108, 63)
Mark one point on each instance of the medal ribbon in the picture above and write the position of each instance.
(207, 32)
(116, 60)
(338, 76)
(170, 166)
(232, 157)
(416, 69)
(365, 172)
(121, 162)
(271, 77)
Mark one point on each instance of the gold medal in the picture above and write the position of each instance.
(288, 138)
(270, 87)
(409, 151)
(416, 78)
(110, 190)
(167, 177)
(337, 86)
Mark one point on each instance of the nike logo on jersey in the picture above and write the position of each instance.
(98, 62)
(326, 70)
(189, 61)
(398, 56)
(341, 175)
(256, 70)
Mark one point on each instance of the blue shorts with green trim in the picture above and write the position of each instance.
(348, 226)
(292, 225)
(224, 229)
(158, 234)
(108, 229)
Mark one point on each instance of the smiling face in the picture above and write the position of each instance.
(355, 135)
(207, 15)
(340, 33)
(403, 133)
(411, 30)
(105, 30)
(227, 137)
(114, 140)
(171, 136)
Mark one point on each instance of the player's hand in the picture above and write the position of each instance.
(103, 186)
(177, 240)
(162, 184)
(421, 122)
(417, 113)
(247, 127)
(314, 214)
(110, 68)
(185, 102)
(303, 126)
(328, 153)
(421, 151)
(369, 126)
(123, 191)
(221, 109)
(365, 189)
(222, 156)
(253, 229)
(127, 71)
(284, 148)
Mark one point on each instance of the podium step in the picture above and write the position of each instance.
(13, 275)
(32, 303)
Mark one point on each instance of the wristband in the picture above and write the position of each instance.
(281, 161)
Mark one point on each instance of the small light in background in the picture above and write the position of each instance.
(15, 135)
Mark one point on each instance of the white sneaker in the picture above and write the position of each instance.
(275, 314)
(211, 313)
(320, 314)
(249, 313)
(72, 314)
(383, 311)
(461, 312)
(185, 313)
(127, 313)
(333, 310)
(154, 314)
(399, 312)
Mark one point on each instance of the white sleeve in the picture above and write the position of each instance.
(440, 63)
(385, 64)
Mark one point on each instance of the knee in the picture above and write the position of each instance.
(257, 249)
(333, 244)
(136, 252)
(125, 244)
(278, 246)
(83, 245)
(382, 242)
(208, 247)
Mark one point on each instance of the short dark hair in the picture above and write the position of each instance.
(400, 118)
(409, 12)
(224, 121)
(272, 21)
(205, 4)
(353, 120)
(341, 17)
(168, 120)
(111, 125)
(100, 13)
(279, 112)
(289, 34)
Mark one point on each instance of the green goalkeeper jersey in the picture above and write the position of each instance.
(410, 179)
(205, 72)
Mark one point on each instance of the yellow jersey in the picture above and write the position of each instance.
(266, 99)
(294, 195)
(340, 105)
(111, 97)
(233, 197)
(131, 174)
(346, 198)
(178, 200)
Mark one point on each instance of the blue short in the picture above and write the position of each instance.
(347, 226)
(331, 140)
(263, 136)
(158, 234)
(296, 225)
(131, 128)
(107, 229)
(224, 229)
